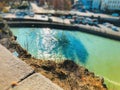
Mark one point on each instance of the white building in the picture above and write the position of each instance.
(96, 4)
(110, 5)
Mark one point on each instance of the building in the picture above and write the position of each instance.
(96, 4)
(110, 5)
(87, 4)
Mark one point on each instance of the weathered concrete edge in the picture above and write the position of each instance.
(39, 80)
(67, 27)
(12, 69)
(31, 73)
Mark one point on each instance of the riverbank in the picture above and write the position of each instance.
(100, 31)
(67, 74)
(60, 73)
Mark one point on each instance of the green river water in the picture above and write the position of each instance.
(99, 55)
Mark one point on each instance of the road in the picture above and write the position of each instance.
(37, 9)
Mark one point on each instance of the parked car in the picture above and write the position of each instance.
(82, 10)
(111, 26)
(69, 17)
(43, 16)
(89, 21)
(107, 25)
(31, 14)
(49, 15)
(115, 14)
(95, 22)
(21, 13)
(79, 19)
(84, 22)
(72, 21)
(115, 28)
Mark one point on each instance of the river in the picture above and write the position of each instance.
(98, 54)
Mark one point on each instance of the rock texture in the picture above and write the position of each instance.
(68, 75)
(36, 82)
(8, 40)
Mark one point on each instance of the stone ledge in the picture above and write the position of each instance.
(36, 82)
(13, 69)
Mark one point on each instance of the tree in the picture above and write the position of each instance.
(42, 2)
(67, 5)
(62, 4)
(2, 6)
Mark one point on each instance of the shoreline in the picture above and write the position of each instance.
(69, 27)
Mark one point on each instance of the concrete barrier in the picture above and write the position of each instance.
(11, 69)
(36, 82)
(15, 71)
